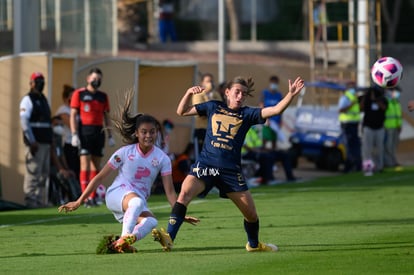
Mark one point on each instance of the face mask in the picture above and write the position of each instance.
(396, 94)
(58, 130)
(39, 85)
(273, 86)
(96, 83)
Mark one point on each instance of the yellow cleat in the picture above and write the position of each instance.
(163, 238)
(123, 244)
(262, 247)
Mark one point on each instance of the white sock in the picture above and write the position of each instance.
(144, 227)
(135, 206)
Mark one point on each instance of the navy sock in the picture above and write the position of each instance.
(252, 230)
(176, 219)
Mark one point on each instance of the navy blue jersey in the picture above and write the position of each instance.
(226, 130)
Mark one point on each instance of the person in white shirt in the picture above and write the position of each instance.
(138, 164)
(70, 152)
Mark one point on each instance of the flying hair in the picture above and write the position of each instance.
(126, 123)
(246, 82)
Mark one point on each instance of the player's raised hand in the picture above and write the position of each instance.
(195, 90)
(296, 86)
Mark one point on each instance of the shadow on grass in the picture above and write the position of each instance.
(355, 222)
(26, 255)
(224, 249)
(349, 247)
(196, 249)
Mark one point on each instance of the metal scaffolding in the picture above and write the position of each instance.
(356, 43)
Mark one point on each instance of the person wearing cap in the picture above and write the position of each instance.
(92, 107)
(35, 120)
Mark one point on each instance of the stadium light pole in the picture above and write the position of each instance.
(221, 42)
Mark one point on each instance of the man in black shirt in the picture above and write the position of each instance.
(374, 104)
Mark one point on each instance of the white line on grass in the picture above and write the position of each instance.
(80, 216)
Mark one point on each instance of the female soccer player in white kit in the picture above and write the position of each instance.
(138, 163)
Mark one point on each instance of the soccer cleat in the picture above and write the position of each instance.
(123, 244)
(262, 247)
(163, 238)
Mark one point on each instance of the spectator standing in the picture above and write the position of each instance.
(350, 118)
(392, 125)
(35, 120)
(92, 107)
(70, 152)
(320, 19)
(374, 106)
(166, 21)
(270, 97)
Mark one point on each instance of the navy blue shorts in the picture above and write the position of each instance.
(226, 180)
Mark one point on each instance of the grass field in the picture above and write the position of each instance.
(348, 224)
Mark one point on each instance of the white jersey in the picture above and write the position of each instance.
(137, 171)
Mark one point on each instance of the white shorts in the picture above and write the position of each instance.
(114, 198)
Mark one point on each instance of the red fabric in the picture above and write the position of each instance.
(92, 174)
(36, 75)
(90, 112)
(84, 179)
(177, 174)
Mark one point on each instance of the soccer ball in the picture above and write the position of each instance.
(101, 192)
(368, 167)
(386, 72)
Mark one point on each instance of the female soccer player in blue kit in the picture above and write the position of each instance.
(219, 163)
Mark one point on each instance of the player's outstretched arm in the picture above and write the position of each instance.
(294, 89)
(73, 205)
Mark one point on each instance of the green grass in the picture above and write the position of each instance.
(349, 224)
